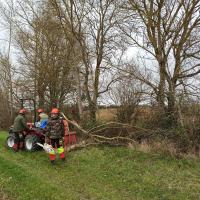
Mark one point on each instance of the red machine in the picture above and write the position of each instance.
(30, 138)
(69, 137)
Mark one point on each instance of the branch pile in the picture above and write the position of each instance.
(113, 133)
(119, 134)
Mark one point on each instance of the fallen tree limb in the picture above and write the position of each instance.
(95, 133)
(113, 138)
(80, 145)
(102, 125)
(114, 133)
(75, 124)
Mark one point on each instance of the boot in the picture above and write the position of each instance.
(15, 147)
(53, 162)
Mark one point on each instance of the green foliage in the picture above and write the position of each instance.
(99, 174)
(181, 136)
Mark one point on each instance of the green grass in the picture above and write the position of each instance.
(97, 173)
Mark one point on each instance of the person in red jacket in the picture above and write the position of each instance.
(55, 131)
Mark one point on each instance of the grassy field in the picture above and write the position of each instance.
(106, 115)
(97, 173)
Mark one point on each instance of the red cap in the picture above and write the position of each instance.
(22, 111)
(54, 111)
(40, 110)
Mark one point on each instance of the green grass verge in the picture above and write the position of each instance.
(97, 173)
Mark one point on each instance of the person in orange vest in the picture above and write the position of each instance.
(55, 131)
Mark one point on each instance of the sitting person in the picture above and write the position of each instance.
(42, 119)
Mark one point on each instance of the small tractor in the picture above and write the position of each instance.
(30, 137)
(35, 134)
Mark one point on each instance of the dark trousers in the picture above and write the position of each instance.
(55, 143)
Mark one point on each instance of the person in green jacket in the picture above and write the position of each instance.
(20, 125)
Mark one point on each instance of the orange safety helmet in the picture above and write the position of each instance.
(22, 111)
(55, 111)
(40, 110)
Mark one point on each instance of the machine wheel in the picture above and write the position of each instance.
(10, 141)
(31, 143)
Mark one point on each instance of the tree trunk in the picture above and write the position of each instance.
(79, 91)
(171, 109)
(9, 64)
(41, 100)
(92, 110)
(161, 88)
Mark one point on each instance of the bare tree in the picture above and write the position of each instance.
(7, 12)
(46, 58)
(168, 31)
(93, 25)
(127, 94)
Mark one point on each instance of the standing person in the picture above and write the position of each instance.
(20, 125)
(55, 130)
(42, 118)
